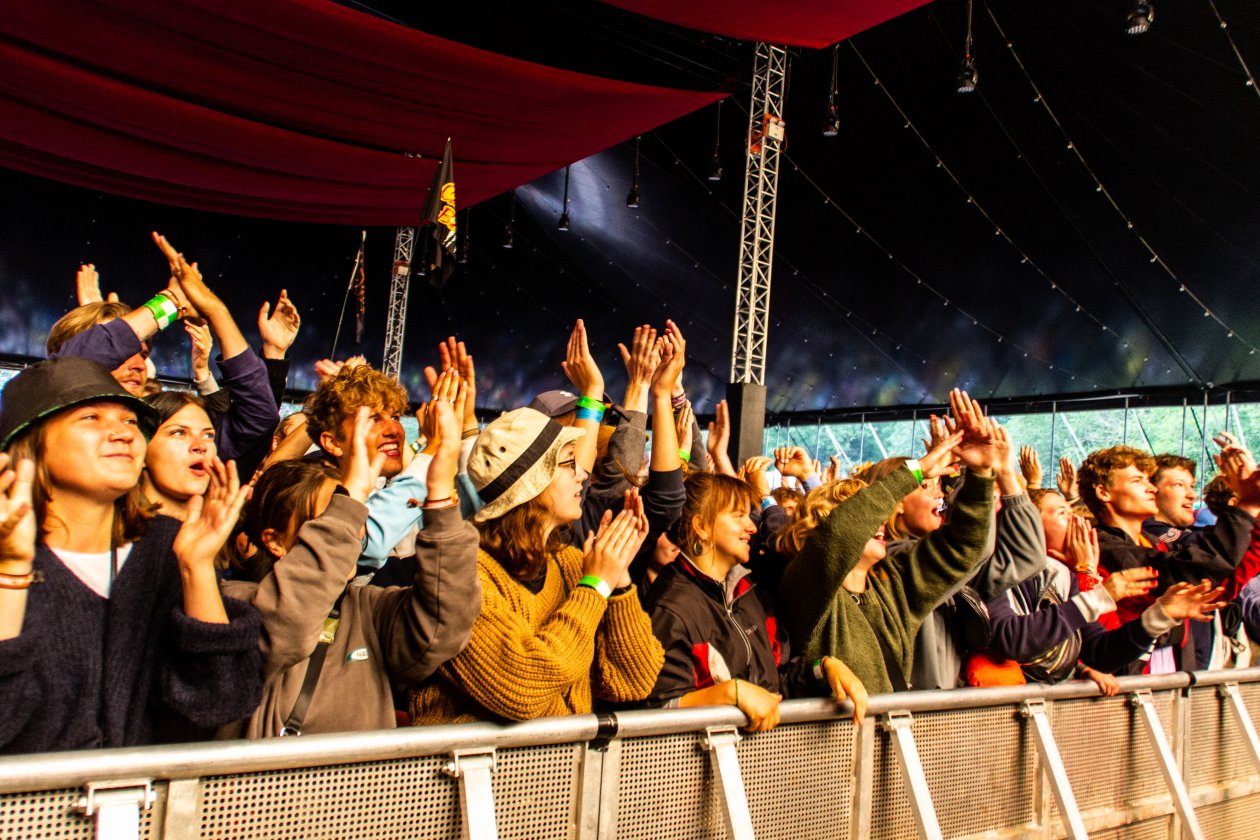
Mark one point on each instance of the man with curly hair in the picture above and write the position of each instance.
(1115, 484)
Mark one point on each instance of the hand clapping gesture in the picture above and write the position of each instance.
(607, 553)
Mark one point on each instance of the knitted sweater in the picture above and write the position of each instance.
(385, 637)
(540, 655)
(89, 672)
(823, 619)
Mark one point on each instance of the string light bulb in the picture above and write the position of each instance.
(1141, 16)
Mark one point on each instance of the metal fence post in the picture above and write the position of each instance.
(1145, 704)
(1238, 709)
(900, 724)
(720, 741)
(863, 782)
(117, 806)
(1056, 773)
(473, 768)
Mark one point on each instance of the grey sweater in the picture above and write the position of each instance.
(1017, 551)
(387, 638)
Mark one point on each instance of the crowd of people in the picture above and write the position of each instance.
(179, 565)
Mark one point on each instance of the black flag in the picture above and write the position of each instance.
(440, 210)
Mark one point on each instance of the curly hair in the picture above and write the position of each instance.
(340, 397)
(1098, 467)
(818, 505)
(82, 318)
(1217, 495)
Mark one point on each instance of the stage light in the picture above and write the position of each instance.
(968, 76)
(632, 200)
(831, 123)
(564, 221)
(715, 166)
(1141, 16)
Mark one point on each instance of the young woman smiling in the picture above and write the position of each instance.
(112, 628)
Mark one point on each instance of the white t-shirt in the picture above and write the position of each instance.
(93, 569)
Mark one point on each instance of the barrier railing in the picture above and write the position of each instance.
(1171, 756)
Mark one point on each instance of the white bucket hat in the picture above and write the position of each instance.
(515, 459)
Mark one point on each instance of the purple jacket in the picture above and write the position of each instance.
(253, 415)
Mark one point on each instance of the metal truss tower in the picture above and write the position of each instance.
(396, 323)
(756, 244)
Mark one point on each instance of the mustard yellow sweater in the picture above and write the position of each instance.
(542, 655)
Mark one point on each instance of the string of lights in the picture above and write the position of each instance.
(1233, 45)
(1101, 189)
(1025, 258)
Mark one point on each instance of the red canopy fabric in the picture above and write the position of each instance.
(805, 23)
(290, 109)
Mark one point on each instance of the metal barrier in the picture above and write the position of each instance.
(1169, 757)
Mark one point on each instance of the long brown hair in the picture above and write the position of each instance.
(132, 513)
(519, 540)
(283, 500)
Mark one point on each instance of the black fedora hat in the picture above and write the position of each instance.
(50, 386)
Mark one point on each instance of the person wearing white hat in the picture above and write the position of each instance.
(559, 625)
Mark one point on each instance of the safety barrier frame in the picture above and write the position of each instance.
(1173, 756)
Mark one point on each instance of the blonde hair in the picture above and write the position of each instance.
(818, 505)
(82, 318)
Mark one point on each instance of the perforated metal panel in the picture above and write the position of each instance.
(1216, 749)
(1146, 830)
(809, 796)
(666, 789)
(535, 791)
(407, 798)
(979, 769)
(53, 815)
(1109, 760)
(1232, 818)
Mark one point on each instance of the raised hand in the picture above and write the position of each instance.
(1195, 601)
(17, 516)
(977, 450)
(719, 440)
(1066, 480)
(940, 460)
(211, 518)
(1130, 583)
(579, 365)
(683, 423)
(455, 356)
(362, 472)
(936, 432)
(202, 344)
(641, 359)
(667, 377)
(1238, 467)
(794, 461)
(278, 329)
(443, 415)
(608, 552)
(1030, 466)
(87, 286)
(1080, 545)
(754, 472)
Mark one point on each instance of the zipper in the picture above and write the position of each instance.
(740, 631)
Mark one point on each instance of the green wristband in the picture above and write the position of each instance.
(598, 584)
(685, 455)
(164, 310)
(590, 402)
(914, 467)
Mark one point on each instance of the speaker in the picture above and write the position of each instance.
(747, 404)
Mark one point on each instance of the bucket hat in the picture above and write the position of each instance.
(515, 459)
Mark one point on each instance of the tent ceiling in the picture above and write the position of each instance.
(955, 251)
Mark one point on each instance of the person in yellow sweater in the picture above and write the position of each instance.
(559, 625)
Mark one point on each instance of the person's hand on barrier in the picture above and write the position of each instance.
(845, 685)
(1194, 601)
(1131, 583)
(761, 706)
(1030, 466)
(1067, 481)
(1107, 684)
